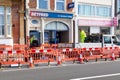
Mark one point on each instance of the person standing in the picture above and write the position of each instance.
(82, 35)
(32, 37)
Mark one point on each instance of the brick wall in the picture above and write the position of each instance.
(52, 6)
(15, 21)
(68, 1)
(33, 4)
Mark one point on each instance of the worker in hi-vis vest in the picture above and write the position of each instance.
(32, 37)
(82, 36)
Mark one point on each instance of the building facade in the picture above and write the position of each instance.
(50, 21)
(94, 17)
(11, 22)
(117, 14)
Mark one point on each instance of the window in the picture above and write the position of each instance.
(8, 17)
(118, 5)
(2, 21)
(103, 11)
(94, 10)
(34, 21)
(60, 5)
(43, 4)
(107, 39)
(5, 21)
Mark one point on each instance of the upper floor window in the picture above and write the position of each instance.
(94, 10)
(2, 21)
(42, 4)
(118, 5)
(60, 5)
(5, 21)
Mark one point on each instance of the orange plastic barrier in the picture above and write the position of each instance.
(70, 54)
(20, 55)
(9, 57)
(19, 47)
(5, 47)
(91, 53)
(42, 55)
(109, 52)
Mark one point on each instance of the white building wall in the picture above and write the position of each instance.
(93, 2)
(102, 2)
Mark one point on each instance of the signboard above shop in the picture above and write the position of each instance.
(50, 14)
(87, 22)
(71, 5)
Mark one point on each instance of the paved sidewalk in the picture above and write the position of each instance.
(54, 64)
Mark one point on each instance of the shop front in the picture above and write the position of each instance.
(53, 27)
(95, 27)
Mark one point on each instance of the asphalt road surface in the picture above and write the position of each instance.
(91, 71)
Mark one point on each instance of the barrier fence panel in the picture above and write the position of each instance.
(91, 53)
(18, 54)
(70, 54)
(106, 52)
(10, 57)
(19, 47)
(5, 47)
(42, 55)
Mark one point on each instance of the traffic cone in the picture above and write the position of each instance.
(63, 57)
(31, 65)
(81, 59)
(113, 57)
(59, 60)
(91, 53)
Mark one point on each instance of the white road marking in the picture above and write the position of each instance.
(100, 76)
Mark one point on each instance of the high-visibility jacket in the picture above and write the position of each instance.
(32, 39)
(82, 36)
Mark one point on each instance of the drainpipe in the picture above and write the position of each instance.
(76, 22)
(112, 11)
(25, 20)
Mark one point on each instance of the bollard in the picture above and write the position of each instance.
(74, 61)
(85, 60)
(19, 65)
(105, 59)
(119, 55)
(48, 62)
(101, 56)
(0, 65)
(96, 59)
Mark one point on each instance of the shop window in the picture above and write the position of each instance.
(60, 5)
(59, 26)
(5, 21)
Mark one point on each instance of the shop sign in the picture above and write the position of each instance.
(50, 14)
(115, 21)
(85, 22)
(71, 5)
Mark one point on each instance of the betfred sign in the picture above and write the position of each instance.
(50, 14)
